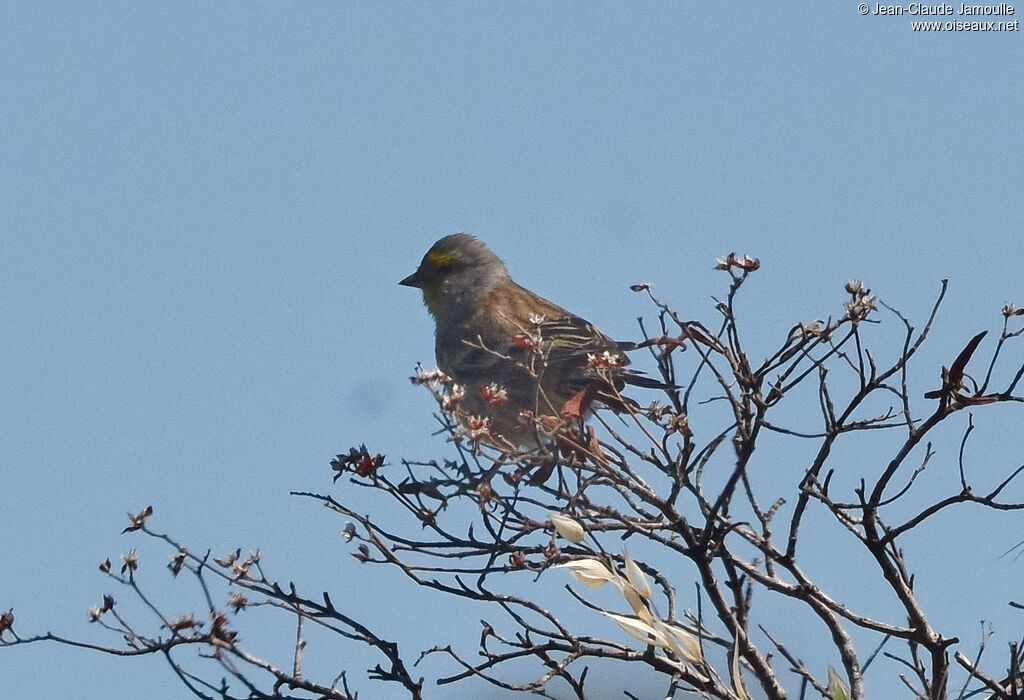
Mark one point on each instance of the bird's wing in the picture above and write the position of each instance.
(571, 337)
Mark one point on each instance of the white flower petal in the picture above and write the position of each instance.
(636, 576)
(737, 679)
(837, 688)
(638, 629)
(635, 600)
(684, 644)
(590, 572)
(567, 528)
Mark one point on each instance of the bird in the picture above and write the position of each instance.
(516, 357)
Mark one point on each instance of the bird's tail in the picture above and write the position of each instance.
(634, 378)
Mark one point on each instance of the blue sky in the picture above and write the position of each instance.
(205, 208)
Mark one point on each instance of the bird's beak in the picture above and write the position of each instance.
(413, 280)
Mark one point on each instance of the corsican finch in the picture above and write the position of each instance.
(519, 362)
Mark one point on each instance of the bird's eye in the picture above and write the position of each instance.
(444, 268)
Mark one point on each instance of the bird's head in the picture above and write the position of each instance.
(455, 272)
